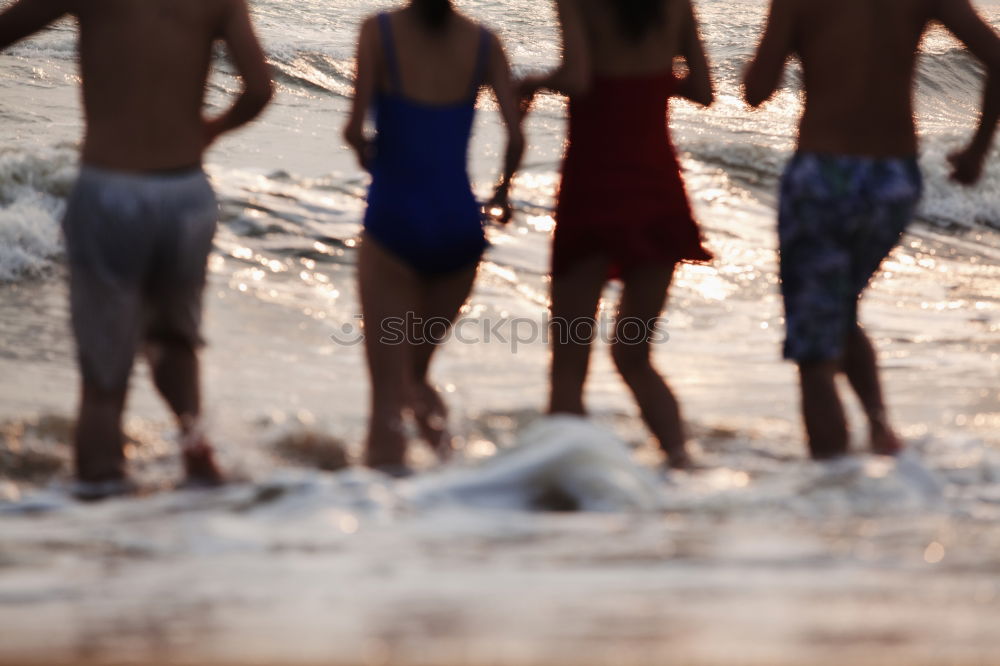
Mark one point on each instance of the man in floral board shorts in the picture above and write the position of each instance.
(853, 186)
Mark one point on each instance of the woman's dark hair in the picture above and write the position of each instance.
(637, 17)
(434, 13)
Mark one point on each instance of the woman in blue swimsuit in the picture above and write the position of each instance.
(420, 68)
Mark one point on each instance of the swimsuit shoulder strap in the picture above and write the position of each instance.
(482, 60)
(391, 61)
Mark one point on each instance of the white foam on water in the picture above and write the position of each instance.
(563, 457)
(953, 204)
(33, 191)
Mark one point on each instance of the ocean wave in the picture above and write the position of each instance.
(945, 203)
(33, 191)
(314, 71)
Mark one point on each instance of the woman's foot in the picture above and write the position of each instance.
(95, 491)
(431, 415)
(386, 446)
(395, 471)
(679, 458)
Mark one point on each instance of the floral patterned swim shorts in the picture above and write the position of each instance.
(839, 218)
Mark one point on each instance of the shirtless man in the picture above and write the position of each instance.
(854, 183)
(140, 221)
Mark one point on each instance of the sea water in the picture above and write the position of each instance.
(759, 557)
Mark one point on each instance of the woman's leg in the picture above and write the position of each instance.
(440, 299)
(575, 296)
(638, 315)
(389, 290)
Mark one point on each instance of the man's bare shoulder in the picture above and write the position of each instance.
(211, 12)
(44, 7)
(911, 10)
(220, 12)
(922, 11)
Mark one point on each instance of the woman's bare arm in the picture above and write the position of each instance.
(499, 78)
(697, 85)
(364, 91)
(763, 76)
(573, 75)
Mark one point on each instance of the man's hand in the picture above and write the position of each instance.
(967, 165)
(248, 57)
(25, 18)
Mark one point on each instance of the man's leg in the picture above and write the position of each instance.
(98, 441)
(176, 374)
(175, 368)
(882, 232)
(817, 289)
(105, 324)
(861, 367)
(173, 306)
(826, 425)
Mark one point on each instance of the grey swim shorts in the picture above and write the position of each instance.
(137, 246)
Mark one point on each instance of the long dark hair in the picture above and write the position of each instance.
(434, 13)
(637, 17)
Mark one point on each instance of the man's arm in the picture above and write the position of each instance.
(248, 57)
(364, 91)
(27, 17)
(572, 77)
(963, 21)
(763, 76)
(697, 85)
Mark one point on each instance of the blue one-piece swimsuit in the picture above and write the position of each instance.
(420, 204)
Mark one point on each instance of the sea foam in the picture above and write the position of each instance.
(33, 191)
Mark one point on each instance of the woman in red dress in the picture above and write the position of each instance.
(623, 212)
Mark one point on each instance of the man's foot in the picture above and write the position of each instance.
(884, 441)
(200, 469)
(95, 491)
(431, 415)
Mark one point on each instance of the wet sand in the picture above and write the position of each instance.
(604, 608)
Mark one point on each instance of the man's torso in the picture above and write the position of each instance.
(144, 66)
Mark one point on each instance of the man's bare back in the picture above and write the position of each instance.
(144, 67)
(858, 59)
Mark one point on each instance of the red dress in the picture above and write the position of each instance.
(622, 195)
